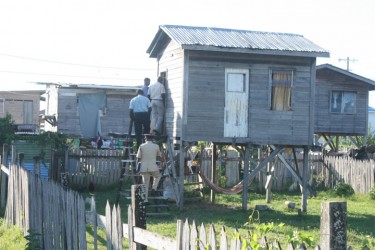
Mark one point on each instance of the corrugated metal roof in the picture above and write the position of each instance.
(240, 39)
(89, 86)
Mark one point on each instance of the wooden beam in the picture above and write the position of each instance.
(262, 164)
(213, 171)
(245, 175)
(305, 178)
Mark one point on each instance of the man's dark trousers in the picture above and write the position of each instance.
(141, 125)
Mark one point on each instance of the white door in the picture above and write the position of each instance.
(236, 103)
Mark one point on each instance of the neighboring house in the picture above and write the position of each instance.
(341, 102)
(24, 107)
(371, 119)
(87, 110)
(240, 86)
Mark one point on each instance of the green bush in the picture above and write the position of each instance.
(11, 237)
(343, 189)
(372, 193)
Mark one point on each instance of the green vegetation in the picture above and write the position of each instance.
(7, 129)
(296, 228)
(372, 193)
(342, 189)
(11, 237)
(278, 222)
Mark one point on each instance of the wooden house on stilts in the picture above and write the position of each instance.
(341, 105)
(247, 89)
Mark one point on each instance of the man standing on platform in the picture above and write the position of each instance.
(139, 111)
(148, 153)
(145, 87)
(156, 93)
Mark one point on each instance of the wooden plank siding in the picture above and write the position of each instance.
(172, 62)
(200, 94)
(13, 103)
(336, 123)
(115, 119)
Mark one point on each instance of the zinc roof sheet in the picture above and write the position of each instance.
(241, 39)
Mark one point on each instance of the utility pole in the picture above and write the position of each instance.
(348, 60)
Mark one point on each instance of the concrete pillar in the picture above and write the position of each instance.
(333, 223)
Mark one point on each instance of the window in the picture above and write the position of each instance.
(2, 102)
(281, 95)
(343, 102)
(236, 82)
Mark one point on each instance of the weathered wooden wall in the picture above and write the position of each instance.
(115, 117)
(14, 105)
(196, 82)
(336, 123)
(172, 62)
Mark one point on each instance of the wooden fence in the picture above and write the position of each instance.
(101, 167)
(326, 172)
(55, 215)
(358, 174)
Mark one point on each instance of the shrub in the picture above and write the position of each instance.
(343, 189)
(372, 193)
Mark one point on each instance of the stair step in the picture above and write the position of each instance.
(125, 174)
(193, 183)
(127, 161)
(158, 206)
(158, 214)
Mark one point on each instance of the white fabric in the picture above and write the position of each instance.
(156, 90)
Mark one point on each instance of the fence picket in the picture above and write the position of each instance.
(186, 236)
(108, 226)
(194, 239)
(202, 237)
(223, 239)
(212, 237)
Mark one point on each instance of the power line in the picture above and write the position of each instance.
(69, 63)
(45, 74)
(348, 60)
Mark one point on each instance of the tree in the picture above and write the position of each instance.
(6, 129)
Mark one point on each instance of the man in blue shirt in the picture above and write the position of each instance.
(139, 111)
(146, 86)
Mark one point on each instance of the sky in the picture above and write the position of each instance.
(105, 41)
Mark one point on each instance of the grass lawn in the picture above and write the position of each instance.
(227, 212)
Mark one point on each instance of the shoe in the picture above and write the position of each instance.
(153, 193)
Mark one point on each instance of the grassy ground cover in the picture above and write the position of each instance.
(227, 212)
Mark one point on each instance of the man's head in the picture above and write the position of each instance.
(148, 137)
(147, 81)
(139, 92)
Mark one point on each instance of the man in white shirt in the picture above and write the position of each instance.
(156, 93)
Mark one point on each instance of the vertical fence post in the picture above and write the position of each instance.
(138, 194)
(4, 177)
(36, 165)
(333, 223)
(21, 159)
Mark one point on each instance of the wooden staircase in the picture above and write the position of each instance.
(157, 205)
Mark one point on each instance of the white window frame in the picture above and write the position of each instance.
(341, 108)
